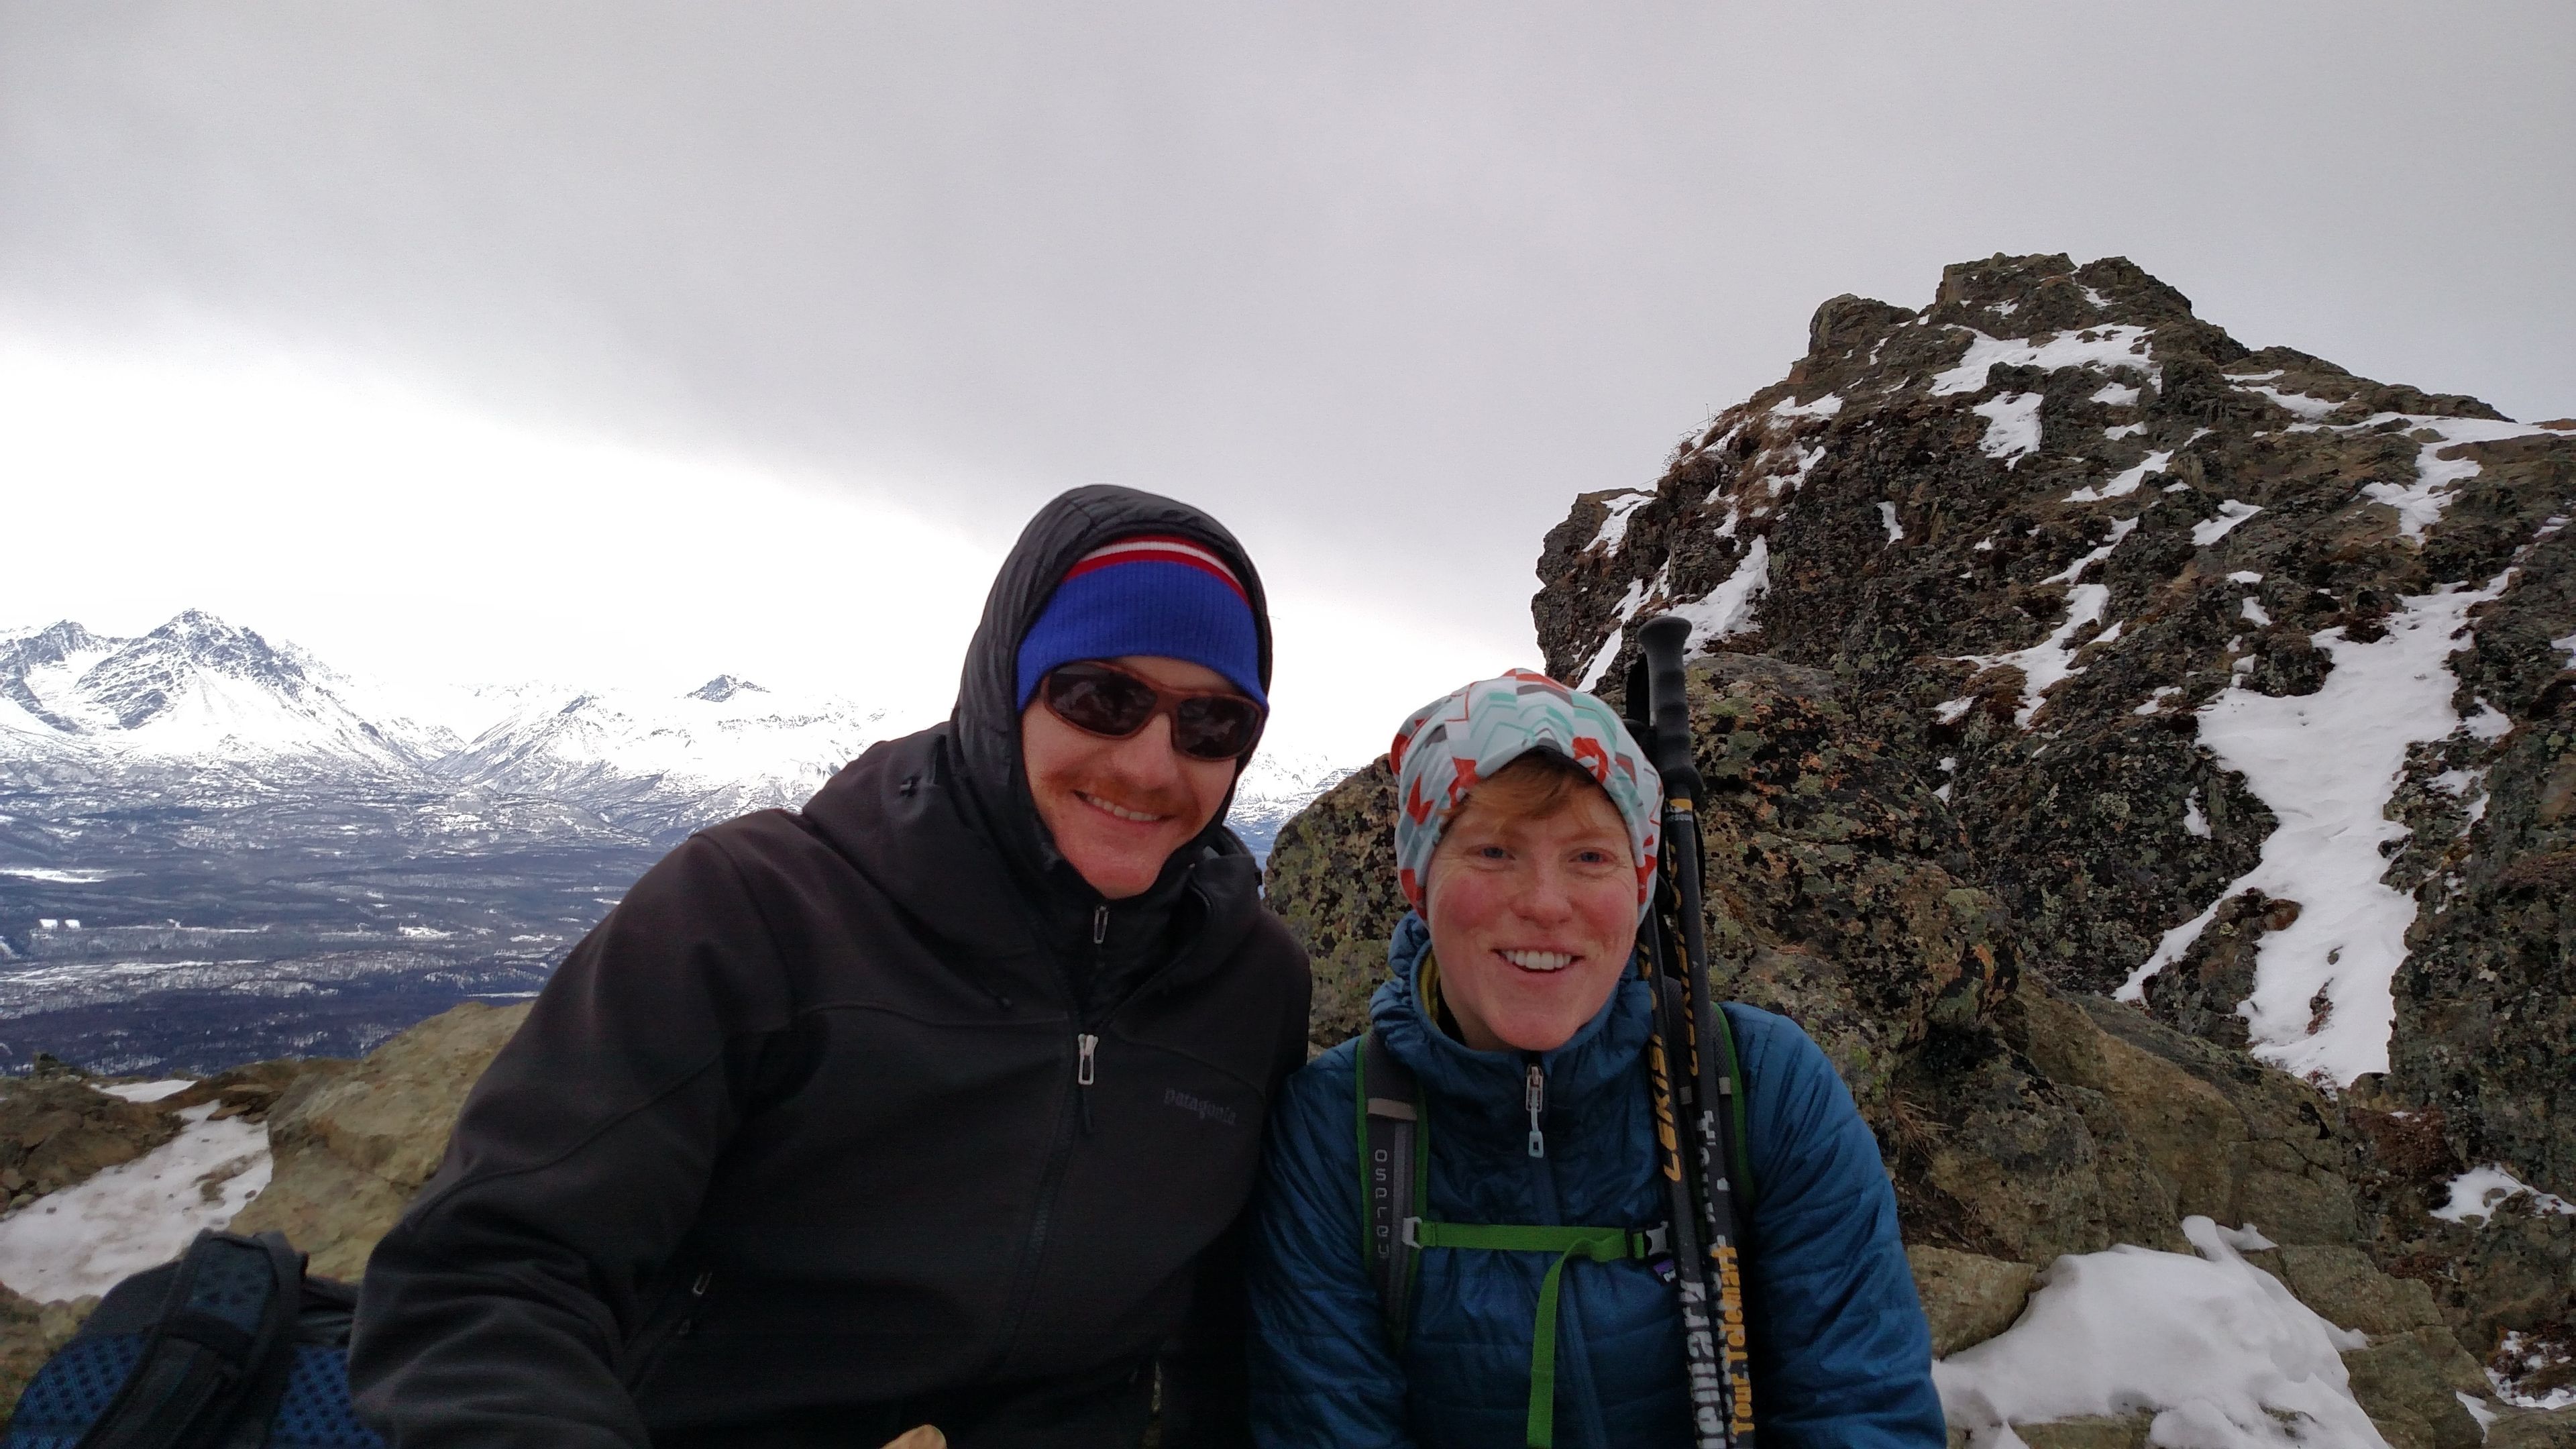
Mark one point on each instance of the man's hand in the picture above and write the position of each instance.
(925, 1437)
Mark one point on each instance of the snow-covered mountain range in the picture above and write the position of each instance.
(205, 702)
(215, 847)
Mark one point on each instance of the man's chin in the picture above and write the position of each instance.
(1121, 872)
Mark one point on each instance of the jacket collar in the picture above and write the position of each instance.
(900, 815)
(1595, 1061)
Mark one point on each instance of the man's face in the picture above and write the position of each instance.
(1119, 808)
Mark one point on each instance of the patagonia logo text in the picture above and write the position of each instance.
(1203, 1109)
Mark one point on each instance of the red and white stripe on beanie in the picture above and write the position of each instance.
(1156, 548)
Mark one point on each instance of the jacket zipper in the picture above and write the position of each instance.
(1085, 1070)
(697, 1303)
(1534, 1095)
(1086, 1042)
(1578, 1395)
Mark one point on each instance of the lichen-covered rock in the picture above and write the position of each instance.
(2409, 1396)
(249, 1091)
(351, 1148)
(1841, 894)
(2346, 1289)
(2523, 1430)
(2506, 1272)
(29, 1334)
(1332, 881)
(2127, 1431)
(1968, 1298)
(2486, 1012)
(57, 1129)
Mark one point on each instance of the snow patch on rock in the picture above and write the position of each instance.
(2420, 504)
(2327, 764)
(2230, 513)
(2104, 348)
(2477, 1193)
(1609, 650)
(1823, 407)
(1728, 609)
(148, 1091)
(129, 1217)
(2050, 662)
(2299, 404)
(2012, 426)
(2216, 1347)
(1614, 527)
(2125, 484)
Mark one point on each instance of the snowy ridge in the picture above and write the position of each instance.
(211, 706)
(2022, 515)
(195, 688)
(1276, 785)
(202, 700)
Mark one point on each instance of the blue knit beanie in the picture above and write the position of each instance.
(1149, 593)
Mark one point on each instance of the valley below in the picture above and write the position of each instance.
(185, 939)
(217, 849)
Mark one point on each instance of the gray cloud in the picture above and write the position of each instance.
(1383, 285)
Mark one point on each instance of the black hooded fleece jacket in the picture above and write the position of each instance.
(863, 1116)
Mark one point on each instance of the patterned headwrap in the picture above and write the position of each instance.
(1461, 738)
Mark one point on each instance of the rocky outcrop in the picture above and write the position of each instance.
(1997, 608)
(2040, 526)
(1968, 1298)
(351, 1147)
(29, 1334)
(2165, 618)
(350, 1144)
(249, 1091)
(1332, 880)
(2018, 1124)
(56, 1129)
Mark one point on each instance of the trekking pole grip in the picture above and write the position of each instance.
(1662, 640)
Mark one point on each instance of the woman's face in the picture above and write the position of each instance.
(1532, 919)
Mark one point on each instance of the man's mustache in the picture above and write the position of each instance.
(1143, 799)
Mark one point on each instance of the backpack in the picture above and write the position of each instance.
(230, 1347)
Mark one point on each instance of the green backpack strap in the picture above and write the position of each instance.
(1739, 1151)
(1601, 1245)
(1731, 1120)
(1394, 1141)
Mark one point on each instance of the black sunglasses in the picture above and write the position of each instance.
(1103, 699)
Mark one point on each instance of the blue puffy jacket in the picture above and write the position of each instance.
(1841, 1353)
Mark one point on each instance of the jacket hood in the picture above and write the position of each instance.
(987, 715)
(985, 725)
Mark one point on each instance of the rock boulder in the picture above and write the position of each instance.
(352, 1147)
(57, 1129)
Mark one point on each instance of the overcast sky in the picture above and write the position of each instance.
(635, 341)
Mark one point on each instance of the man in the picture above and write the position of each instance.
(934, 1102)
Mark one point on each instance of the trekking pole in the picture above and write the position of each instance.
(1668, 710)
(1709, 1400)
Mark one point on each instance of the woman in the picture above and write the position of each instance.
(1526, 841)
